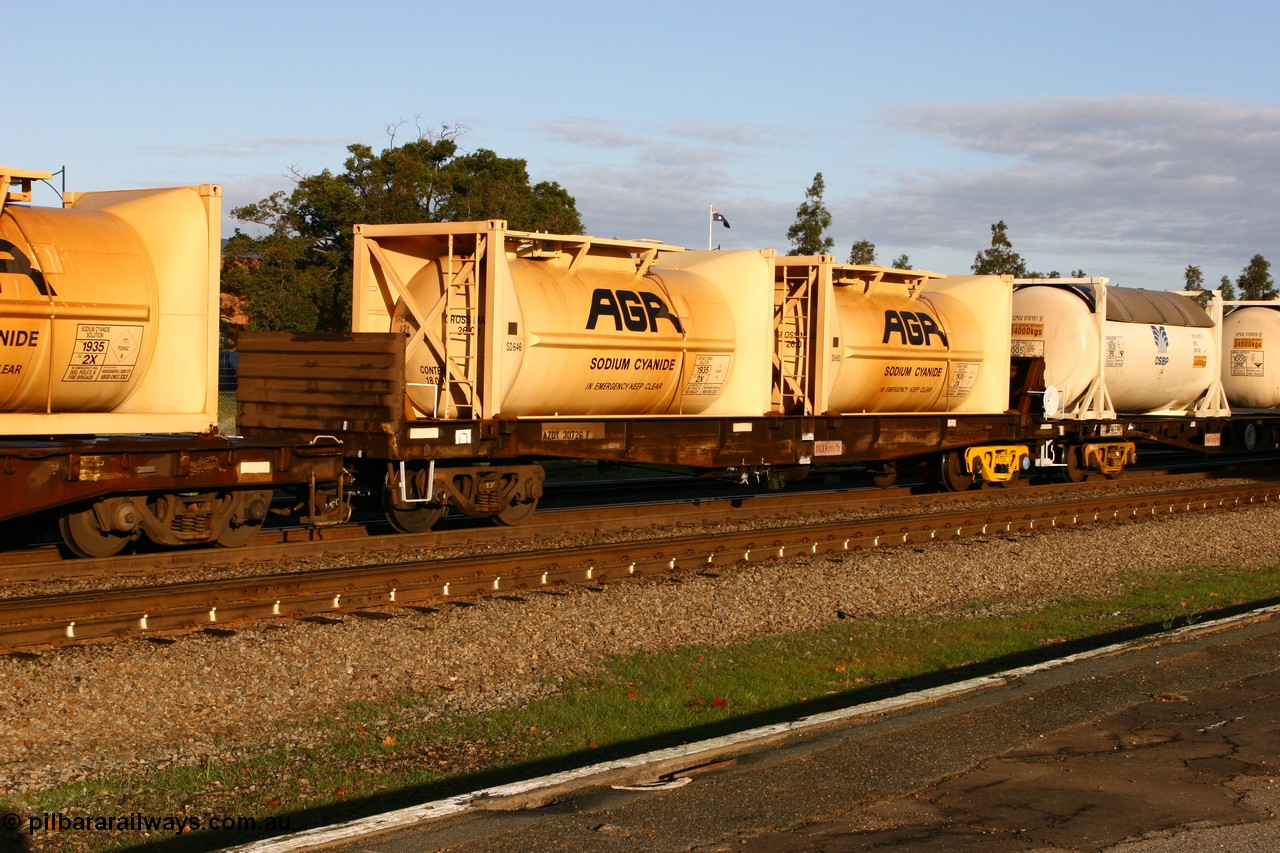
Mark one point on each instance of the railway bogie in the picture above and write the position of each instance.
(998, 463)
(417, 494)
(104, 528)
(1108, 458)
(1073, 461)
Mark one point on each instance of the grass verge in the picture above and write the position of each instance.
(376, 757)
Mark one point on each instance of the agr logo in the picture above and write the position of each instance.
(911, 327)
(637, 312)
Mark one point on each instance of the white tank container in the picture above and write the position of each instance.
(898, 348)
(513, 324)
(1250, 378)
(108, 313)
(593, 342)
(77, 303)
(1155, 352)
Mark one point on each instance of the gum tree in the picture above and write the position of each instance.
(297, 274)
(1000, 258)
(808, 233)
(1255, 282)
(863, 252)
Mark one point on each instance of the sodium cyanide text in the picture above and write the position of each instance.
(20, 337)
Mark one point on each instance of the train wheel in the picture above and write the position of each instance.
(521, 490)
(516, 512)
(85, 538)
(409, 518)
(954, 477)
(247, 521)
(416, 520)
(1075, 472)
(234, 537)
(886, 475)
(412, 516)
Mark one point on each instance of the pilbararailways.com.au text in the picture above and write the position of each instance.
(138, 822)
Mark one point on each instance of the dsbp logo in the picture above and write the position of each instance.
(1162, 344)
(913, 328)
(15, 262)
(636, 312)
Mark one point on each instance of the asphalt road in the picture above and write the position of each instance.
(1168, 747)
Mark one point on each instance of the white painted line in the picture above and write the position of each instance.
(326, 836)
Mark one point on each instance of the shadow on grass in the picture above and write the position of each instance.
(198, 842)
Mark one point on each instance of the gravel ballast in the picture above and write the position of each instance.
(78, 712)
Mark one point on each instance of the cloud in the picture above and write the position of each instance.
(606, 133)
(1132, 187)
(741, 135)
(656, 183)
(589, 132)
(1092, 182)
(1192, 179)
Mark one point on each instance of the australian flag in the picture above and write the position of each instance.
(717, 216)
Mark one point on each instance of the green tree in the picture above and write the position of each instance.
(863, 252)
(486, 186)
(902, 262)
(281, 285)
(1255, 280)
(1000, 258)
(1227, 288)
(1193, 279)
(808, 233)
(298, 275)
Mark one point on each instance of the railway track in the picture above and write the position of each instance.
(141, 610)
(574, 514)
(602, 500)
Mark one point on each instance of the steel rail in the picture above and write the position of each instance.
(135, 611)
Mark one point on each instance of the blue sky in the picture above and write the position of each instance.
(1125, 138)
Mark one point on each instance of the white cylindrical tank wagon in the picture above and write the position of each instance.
(1251, 380)
(1111, 350)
